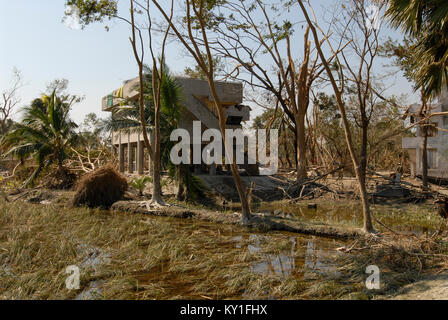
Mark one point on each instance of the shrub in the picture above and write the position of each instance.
(100, 188)
(140, 184)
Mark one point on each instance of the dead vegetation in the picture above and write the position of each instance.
(401, 258)
(100, 188)
(134, 256)
(62, 179)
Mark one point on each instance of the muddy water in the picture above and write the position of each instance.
(304, 255)
(350, 215)
(275, 254)
(300, 257)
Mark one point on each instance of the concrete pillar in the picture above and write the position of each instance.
(113, 144)
(120, 153)
(140, 157)
(212, 166)
(121, 156)
(130, 155)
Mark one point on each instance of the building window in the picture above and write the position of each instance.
(445, 121)
(432, 158)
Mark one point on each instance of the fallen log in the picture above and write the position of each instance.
(263, 222)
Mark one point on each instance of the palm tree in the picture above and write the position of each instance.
(45, 133)
(427, 22)
(128, 117)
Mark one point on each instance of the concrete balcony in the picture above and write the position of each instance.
(132, 135)
(238, 112)
(116, 98)
(197, 95)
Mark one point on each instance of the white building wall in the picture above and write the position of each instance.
(437, 146)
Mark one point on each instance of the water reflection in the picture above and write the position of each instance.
(304, 257)
(349, 215)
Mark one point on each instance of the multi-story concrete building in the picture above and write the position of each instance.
(198, 105)
(437, 141)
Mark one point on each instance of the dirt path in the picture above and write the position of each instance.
(429, 288)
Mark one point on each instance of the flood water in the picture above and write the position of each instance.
(350, 215)
(299, 256)
(276, 254)
(304, 255)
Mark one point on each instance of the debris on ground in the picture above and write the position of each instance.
(61, 179)
(41, 196)
(391, 190)
(442, 207)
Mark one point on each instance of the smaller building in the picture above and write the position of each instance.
(437, 147)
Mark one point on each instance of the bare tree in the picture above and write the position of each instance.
(97, 11)
(157, 76)
(338, 86)
(249, 35)
(358, 68)
(10, 100)
(58, 86)
(196, 19)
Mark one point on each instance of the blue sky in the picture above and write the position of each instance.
(43, 48)
(36, 41)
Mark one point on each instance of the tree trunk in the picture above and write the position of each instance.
(424, 131)
(425, 158)
(363, 155)
(301, 148)
(288, 160)
(157, 198)
(285, 144)
(180, 185)
(296, 150)
(362, 179)
(154, 150)
(156, 186)
(246, 215)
